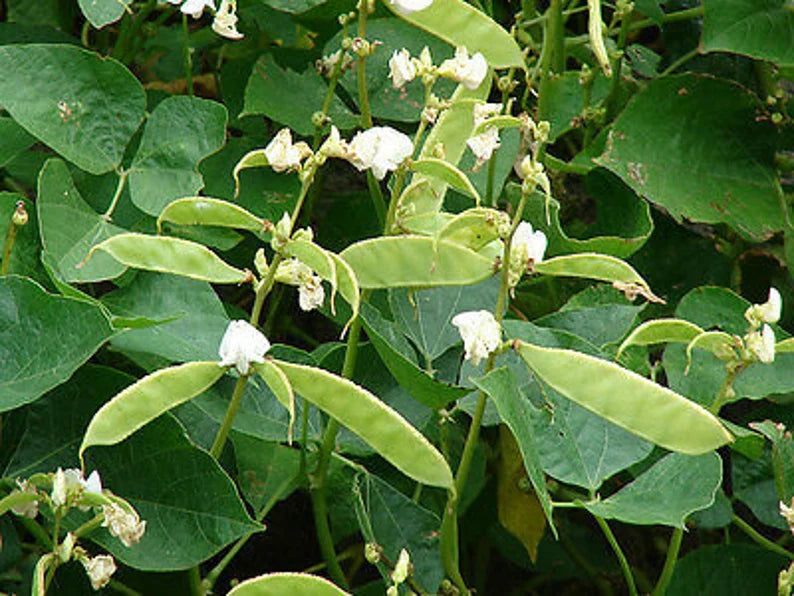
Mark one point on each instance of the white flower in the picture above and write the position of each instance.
(381, 148)
(483, 111)
(528, 245)
(282, 155)
(311, 294)
(480, 332)
(469, 72)
(194, 7)
(762, 345)
(768, 312)
(99, 570)
(401, 68)
(483, 145)
(70, 482)
(241, 345)
(402, 568)
(125, 526)
(93, 484)
(30, 509)
(334, 145)
(225, 21)
(787, 513)
(409, 6)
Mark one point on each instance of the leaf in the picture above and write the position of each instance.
(710, 166)
(15, 140)
(148, 398)
(180, 133)
(666, 493)
(442, 170)
(69, 228)
(659, 331)
(43, 339)
(295, 584)
(460, 24)
(625, 398)
(414, 261)
(103, 12)
(264, 468)
(502, 387)
(193, 316)
(566, 100)
(376, 423)
(757, 28)
(170, 255)
(290, 98)
(191, 506)
(84, 106)
(782, 457)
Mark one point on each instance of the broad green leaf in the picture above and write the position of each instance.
(745, 441)
(710, 166)
(376, 423)
(293, 6)
(753, 483)
(86, 107)
(43, 339)
(666, 493)
(266, 470)
(170, 255)
(566, 97)
(415, 261)
(398, 357)
(56, 423)
(502, 387)
(278, 584)
(757, 28)
(15, 140)
(191, 506)
(727, 569)
(69, 228)
(148, 398)
(625, 398)
(600, 267)
(461, 24)
(440, 169)
(203, 211)
(290, 98)
(782, 457)
(192, 315)
(279, 384)
(103, 12)
(659, 331)
(178, 135)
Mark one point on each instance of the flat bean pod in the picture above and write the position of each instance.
(204, 211)
(279, 384)
(660, 331)
(294, 584)
(446, 172)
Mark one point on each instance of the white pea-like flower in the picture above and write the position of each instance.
(483, 145)
(283, 155)
(401, 68)
(194, 7)
(787, 513)
(762, 344)
(480, 332)
(311, 294)
(241, 345)
(409, 6)
(225, 21)
(380, 148)
(462, 69)
(99, 570)
(768, 312)
(528, 245)
(483, 111)
(402, 568)
(70, 482)
(333, 146)
(31, 509)
(126, 526)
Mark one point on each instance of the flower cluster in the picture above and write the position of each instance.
(409, 6)
(69, 485)
(241, 345)
(225, 21)
(124, 524)
(760, 343)
(527, 248)
(468, 71)
(481, 334)
(311, 294)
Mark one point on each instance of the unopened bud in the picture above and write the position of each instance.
(360, 47)
(777, 118)
(319, 119)
(20, 217)
(372, 552)
(260, 262)
(347, 43)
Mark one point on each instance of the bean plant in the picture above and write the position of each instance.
(396, 296)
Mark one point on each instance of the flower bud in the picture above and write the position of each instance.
(20, 216)
(260, 262)
(99, 570)
(402, 568)
(372, 552)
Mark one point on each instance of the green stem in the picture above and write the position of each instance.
(116, 196)
(681, 60)
(228, 419)
(89, 526)
(122, 589)
(8, 245)
(361, 69)
(671, 17)
(186, 56)
(554, 163)
(553, 54)
(759, 539)
(669, 563)
(624, 564)
(612, 98)
(194, 578)
(336, 74)
(726, 389)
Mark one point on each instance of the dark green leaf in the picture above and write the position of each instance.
(103, 12)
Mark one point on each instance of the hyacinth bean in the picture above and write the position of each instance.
(473, 228)
(415, 261)
(443, 170)
(718, 343)
(278, 584)
(385, 430)
(590, 265)
(785, 346)
(171, 255)
(278, 383)
(660, 331)
(145, 400)
(497, 122)
(204, 211)
(625, 398)
(252, 159)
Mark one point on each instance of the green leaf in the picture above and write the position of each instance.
(666, 493)
(180, 133)
(717, 167)
(290, 98)
(782, 457)
(43, 339)
(69, 228)
(86, 107)
(170, 255)
(278, 584)
(432, 167)
(415, 261)
(193, 315)
(502, 387)
(191, 506)
(15, 140)
(625, 398)
(103, 12)
(757, 28)
(264, 469)
(461, 24)
(148, 398)
(566, 99)
(376, 423)
(660, 331)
